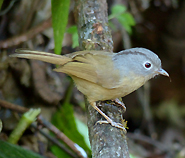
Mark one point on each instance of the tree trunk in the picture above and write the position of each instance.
(94, 34)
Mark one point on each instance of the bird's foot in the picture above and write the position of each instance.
(120, 103)
(114, 124)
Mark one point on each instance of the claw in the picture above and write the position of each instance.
(114, 124)
(108, 120)
(120, 103)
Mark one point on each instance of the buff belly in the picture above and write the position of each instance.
(95, 92)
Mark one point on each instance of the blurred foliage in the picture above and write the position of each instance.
(60, 9)
(132, 156)
(74, 32)
(58, 152)
(74, 129)
(1, 125)
(171, 111)
(1, 2)
(83, 130)
(181, 154)
(8, 150)
(64, 120)
(125, 18)
(25, 121)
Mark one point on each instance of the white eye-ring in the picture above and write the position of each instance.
(147, 65)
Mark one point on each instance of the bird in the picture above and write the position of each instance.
(103, 75)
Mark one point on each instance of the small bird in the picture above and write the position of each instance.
(101, 75)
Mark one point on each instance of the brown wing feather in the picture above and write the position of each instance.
(81, 70)
(43, 56)
(97, 68)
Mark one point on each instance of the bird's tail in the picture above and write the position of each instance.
(42, 56)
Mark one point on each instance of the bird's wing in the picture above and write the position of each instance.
(93, 66)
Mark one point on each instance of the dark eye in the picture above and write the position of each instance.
(147, 65)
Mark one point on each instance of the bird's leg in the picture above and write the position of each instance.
(120, 103)
(109, 120)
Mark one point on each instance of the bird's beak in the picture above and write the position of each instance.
(163, 72)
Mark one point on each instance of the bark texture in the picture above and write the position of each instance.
(94, 34)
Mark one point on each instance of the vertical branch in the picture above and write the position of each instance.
(94, 34)
(92, 21)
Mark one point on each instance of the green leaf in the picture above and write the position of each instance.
(74, 31)
(127, 21)
(60, 9)
(64, 120)
(132, 156)
(8, 150)
(75, 40)
(129, 18)
(124, 18)
(82, 128)
(118, 9)
(58, 152)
